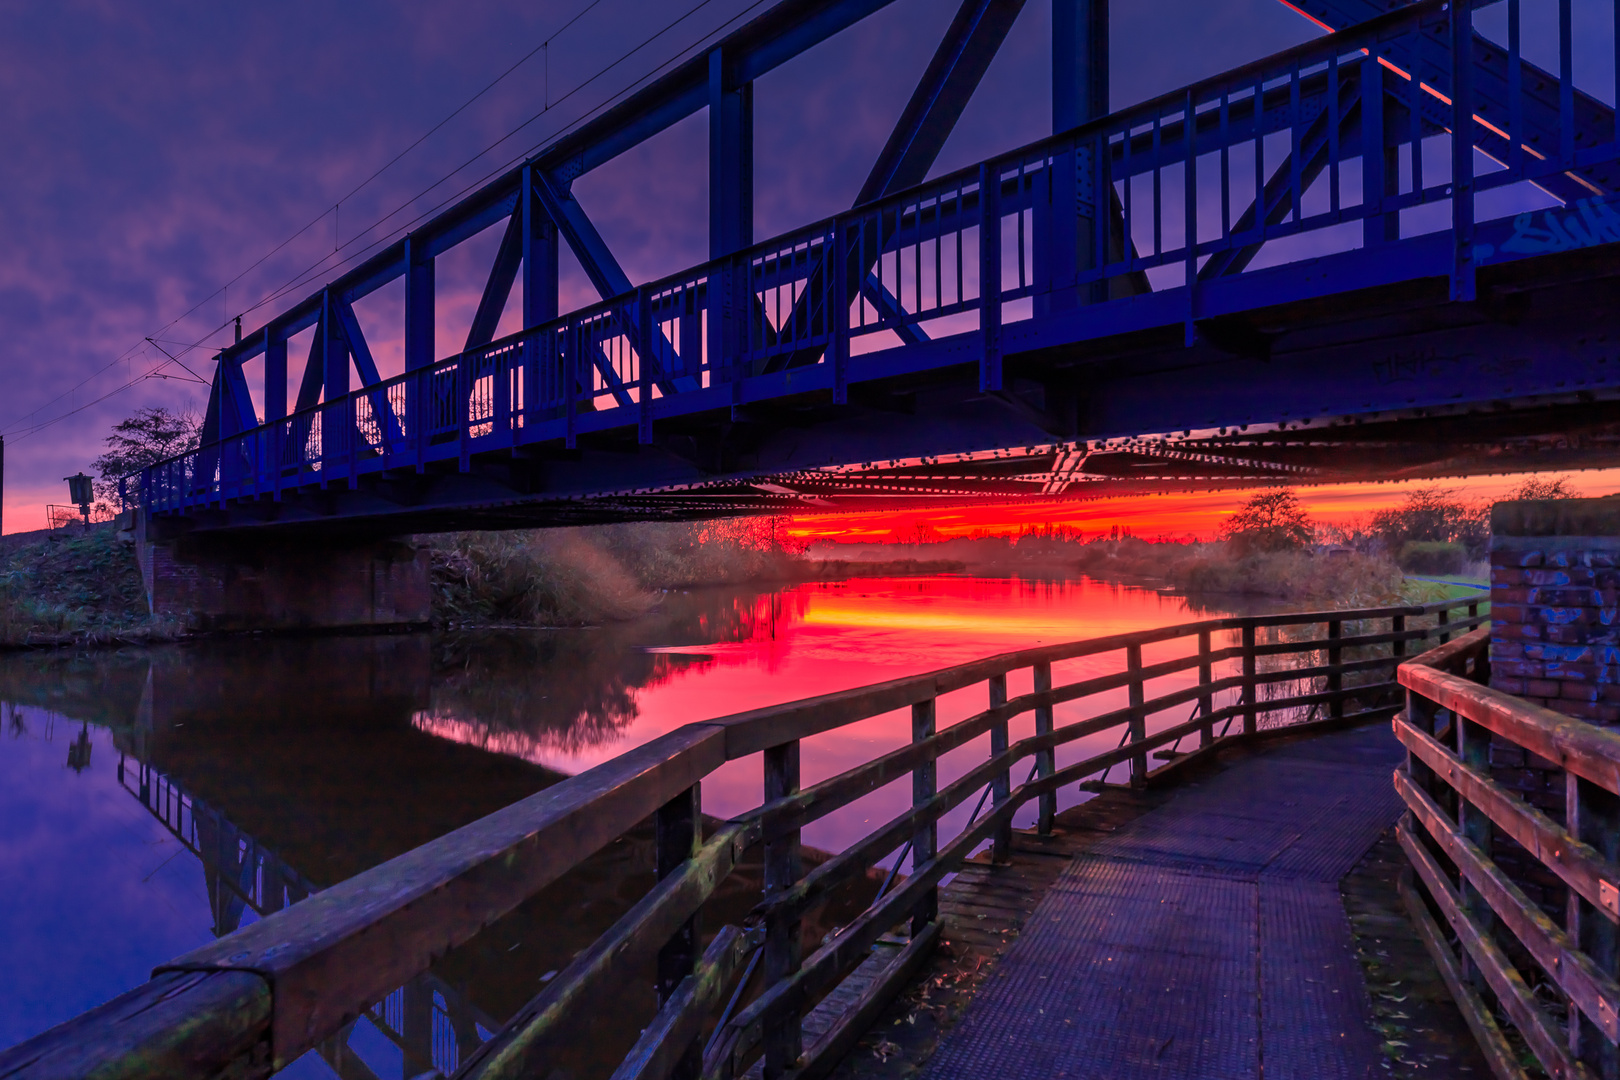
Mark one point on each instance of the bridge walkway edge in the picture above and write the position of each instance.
(1012, 936)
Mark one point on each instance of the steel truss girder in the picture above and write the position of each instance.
(778, 35)
(1595, 121)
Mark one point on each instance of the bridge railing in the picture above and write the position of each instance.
(258, 998)
(1514, 838)
(991, 259)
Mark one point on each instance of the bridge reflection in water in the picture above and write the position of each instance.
(433, 1023)
(285, 767)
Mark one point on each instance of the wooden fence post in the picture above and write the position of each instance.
(1045, 760)
(1335, 630)
(1206, 700)
(783, 1038)
(1443, 617)
(677, 834)
(1138, 722)
(1250, 722)
(1474, 749)
(924, 786)
(1001, 785)
(1592, 815)
(1397, 625)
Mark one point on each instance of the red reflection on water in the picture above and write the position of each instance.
(821, 637)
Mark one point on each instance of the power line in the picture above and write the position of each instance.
(125, 355)
(316, 269)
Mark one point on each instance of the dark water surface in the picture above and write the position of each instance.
(153, 799)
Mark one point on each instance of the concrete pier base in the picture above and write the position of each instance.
(234, 583)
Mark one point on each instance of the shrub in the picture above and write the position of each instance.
(1541, 488)
(1434, 515)
(1432, 557)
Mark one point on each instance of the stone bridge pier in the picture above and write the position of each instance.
(223, 583)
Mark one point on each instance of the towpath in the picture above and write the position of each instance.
(1205, 939)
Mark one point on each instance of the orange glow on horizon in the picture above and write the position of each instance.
(1190, 515)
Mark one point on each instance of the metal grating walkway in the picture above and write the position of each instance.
(1204, 940)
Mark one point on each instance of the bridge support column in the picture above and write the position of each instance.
(231, 583)
(1067, 202)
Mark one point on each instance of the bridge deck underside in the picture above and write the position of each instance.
(1203, 938)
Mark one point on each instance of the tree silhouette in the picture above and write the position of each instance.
(1270, 521)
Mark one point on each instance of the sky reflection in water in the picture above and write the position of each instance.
(332, 755)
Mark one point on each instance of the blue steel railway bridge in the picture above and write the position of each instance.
(1389, 252)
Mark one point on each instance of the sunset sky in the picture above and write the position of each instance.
(1175, 516)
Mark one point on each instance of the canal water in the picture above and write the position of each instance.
(152, 799)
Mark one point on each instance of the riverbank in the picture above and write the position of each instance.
(83, 588)
(1336, 579)
(72, 587)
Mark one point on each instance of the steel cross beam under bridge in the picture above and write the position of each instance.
(1289, 272)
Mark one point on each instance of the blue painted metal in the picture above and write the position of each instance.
(954, 73)
(1080, 67)
(1018, 269)
(731, 159)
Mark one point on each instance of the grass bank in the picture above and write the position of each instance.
(1338, 579)
(76, 588)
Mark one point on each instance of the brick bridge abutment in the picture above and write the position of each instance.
(234, 583)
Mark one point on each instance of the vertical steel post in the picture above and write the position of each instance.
(539, 255)
(731, 160)
(334, 351)
(420, 305)
(783, 1039)
(275, 375)
(1079, 62)
(1374, 169)
(1045, 759)
(1462, 149)
(1064, 212)
(540, 289)
(989, 276)
(924, 786)
(838, 313)
(1250, 706)
(1206, 700)
(1001, 786)
(1137, 721)
(645, 329)
(1335, 630)
(677, 832)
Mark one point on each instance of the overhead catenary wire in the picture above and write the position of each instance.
(320, 267)
(20, 429)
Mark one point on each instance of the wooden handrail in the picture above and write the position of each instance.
(313, 967)
(1589, 751)
(1456, 808)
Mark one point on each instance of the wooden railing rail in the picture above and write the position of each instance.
(258, 998)
(1512, 951)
